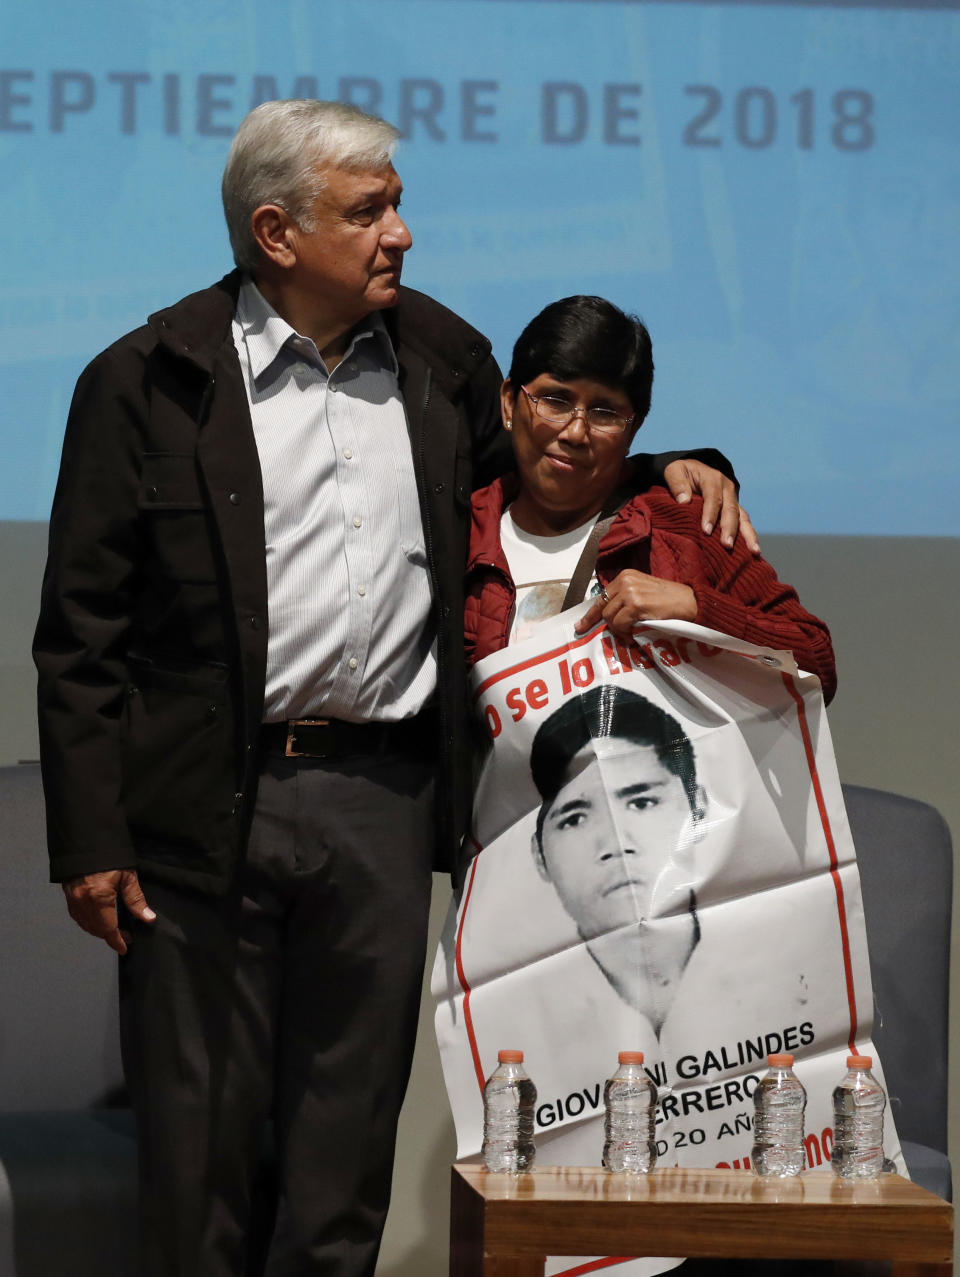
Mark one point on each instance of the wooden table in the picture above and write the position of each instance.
(503, 1225)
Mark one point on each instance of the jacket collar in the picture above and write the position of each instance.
(453, 348)
(487, 508)
(266, 334)
(196, 327)
(630, 525)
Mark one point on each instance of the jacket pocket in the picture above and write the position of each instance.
(179, 523)
(178, 760)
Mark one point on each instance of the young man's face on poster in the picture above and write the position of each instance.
(608, 845)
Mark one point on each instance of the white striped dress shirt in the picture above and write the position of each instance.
(349, 591)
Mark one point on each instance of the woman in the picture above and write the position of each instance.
(578, 391)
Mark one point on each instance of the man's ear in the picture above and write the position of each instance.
(536, 850)
(276, 234)
(694, 825)
(508, 403)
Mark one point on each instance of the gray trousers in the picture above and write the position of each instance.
(293, 1000)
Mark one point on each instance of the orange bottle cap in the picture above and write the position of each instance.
(510, 1057)
(630, 1057)
(782, 1061)
(859, 1061)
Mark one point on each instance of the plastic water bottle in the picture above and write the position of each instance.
(858, 1104)
(508, 1102)
(778, 1104)
(630, 1115)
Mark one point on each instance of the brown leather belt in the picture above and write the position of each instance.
(334, 738)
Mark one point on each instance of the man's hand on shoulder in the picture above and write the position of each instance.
(689, 476)
(92, 902)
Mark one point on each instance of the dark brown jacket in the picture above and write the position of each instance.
(152, 639)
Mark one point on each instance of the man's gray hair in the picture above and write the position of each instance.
(277, 154)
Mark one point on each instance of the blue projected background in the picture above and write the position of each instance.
(774, 188)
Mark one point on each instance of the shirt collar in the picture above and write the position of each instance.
(266, 334)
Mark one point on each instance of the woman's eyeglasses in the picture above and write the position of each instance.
(559, 412)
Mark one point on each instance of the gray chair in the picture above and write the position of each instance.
(67, 1149)
(906, 875)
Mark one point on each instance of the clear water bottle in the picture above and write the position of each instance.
(509, 1098)
(778, 1104)
(630, 1115)
(858, 1104)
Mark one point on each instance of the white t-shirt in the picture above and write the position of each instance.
(541, 568)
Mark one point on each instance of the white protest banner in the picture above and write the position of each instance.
(664, 864)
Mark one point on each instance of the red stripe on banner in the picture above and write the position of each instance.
(596, 1264)
(831, 848)
(571, 646)
(467, 1018)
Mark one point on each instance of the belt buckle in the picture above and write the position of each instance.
(292, 725)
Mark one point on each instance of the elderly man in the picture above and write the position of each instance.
(621, 807)
(252, 691)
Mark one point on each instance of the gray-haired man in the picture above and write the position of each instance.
(251, 691)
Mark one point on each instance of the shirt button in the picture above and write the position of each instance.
(348, 454)
(361, 590)
(357, 521)
(234, 498)
(353, 662)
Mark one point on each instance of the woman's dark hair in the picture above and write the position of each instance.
(587, 337)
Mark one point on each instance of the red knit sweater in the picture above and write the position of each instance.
(737, 592)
